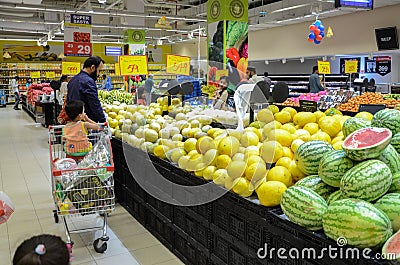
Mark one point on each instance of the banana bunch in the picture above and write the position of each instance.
(109, 97)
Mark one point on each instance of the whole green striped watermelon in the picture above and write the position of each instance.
(395, 187)
(335, 196)
(391, 158)
(366, 143)
(333, 166)
(309, 154)
(304, 207)
(367, 181)
(387, 118)
(396, 142)
(391, 249)
(316, 184)
(359, 222)
(390, 205)
(353, 124)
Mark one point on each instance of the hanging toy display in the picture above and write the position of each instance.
(316, 32)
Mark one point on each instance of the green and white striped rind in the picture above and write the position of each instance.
(367, 181)
(304, 207)
(396, 142)
(395, 187)
(361, 223)
(333, 166)
(309, 154)
(387, 118)
(391, 158)
(353, 124)
(390, 205)
(315, 183)
(370, 152)
(335, 196)
(389, 249)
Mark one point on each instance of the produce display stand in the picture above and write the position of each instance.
(229, 230)
(27, 108)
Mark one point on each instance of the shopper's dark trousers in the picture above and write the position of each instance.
(16, 100)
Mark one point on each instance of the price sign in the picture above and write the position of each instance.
(324, 68)
(308, 106)
(133, 65)
(117, 69)
(77, 49)
(371, 108)
(351, 67)
(179, 65)
(71, 68)
(50, 75)
(35, 74)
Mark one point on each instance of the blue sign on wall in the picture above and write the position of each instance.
(368, 4)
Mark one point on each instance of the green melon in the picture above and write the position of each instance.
(304, 207)
(395, 187)
(333, 166)
(367, 181)
(391, 249)
(366, 143)
(353, 124)
(387, 118)
(335, 196)
(309, 154)
(390, 204)
(391, 158)
(396, 142)
(359, 222)
(316, 184)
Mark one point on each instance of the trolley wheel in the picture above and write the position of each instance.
(99, 245)
(56, 218)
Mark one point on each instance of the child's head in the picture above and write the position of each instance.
(74, 109)
(42, 250)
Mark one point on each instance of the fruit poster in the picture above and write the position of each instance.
(77, 35)
(31, 53)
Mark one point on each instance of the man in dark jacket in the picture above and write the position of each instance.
(83, 87)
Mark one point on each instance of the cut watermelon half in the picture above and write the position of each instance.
(366, 143)
(391, 249)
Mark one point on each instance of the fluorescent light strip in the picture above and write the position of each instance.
(289, 8)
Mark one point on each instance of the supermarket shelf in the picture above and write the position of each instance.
(30, 69)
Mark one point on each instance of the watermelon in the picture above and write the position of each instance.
(316, 184)
(391, 158)
(359, 222)
(304, 207)
(366, 143)
(396, 142)
(333, 166)
(337, 195)
(367, 181)
(309, 154)
(395, 187)
(390, 205)
(353, 124)
(387, 118)
(391, 249)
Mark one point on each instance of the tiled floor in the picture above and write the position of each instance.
(25, 177)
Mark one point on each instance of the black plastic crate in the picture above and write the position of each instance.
(229, 252)
(188, 250)
(161, 228)
(133, 186)
(202, 211)
(120, 191)
(288, 235)
(136, 207)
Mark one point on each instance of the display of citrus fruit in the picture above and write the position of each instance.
(330, 125)
(287, 152)
(295, 172)
(312, 127)
(274, 109)
(296, 143)
(219, 177)
(284, 162)
(323, 136)
(301, 134)
(365, 115)
(283, 117)
(249, 138)
(208, 172)
(223, 161)
(204, 144)
(190, 144)
(302, 118)
(254, 159)
(291, 110)
(256, 131)
(255, 171)
(236, 169)
(270, 193)
(289, 128)
(319, 114)
(265, 115)
(281, 174)
(281, 136)
(271, 151)
(228, 146)
(241, 186)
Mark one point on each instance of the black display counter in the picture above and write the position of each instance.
(228, 230)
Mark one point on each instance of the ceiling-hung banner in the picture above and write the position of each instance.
(77, 35)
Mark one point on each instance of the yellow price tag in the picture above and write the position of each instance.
(71, 68)
(133, 65)
(179, 65)
(221, 73)
(117, 69)
(350, 67)
(324, 68)
(50, 75)
(35, 74)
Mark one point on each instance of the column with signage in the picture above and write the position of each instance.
(77, 35)
(227, 33)
(136, 41)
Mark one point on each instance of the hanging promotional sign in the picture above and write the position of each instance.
(50, 75)
(35, 74)
(70, 68)
(343, 62)
(178, 65)
(133, 65)
(351, 67)
(77, 35)
(324, 68)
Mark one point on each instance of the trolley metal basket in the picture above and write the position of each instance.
(81, 191)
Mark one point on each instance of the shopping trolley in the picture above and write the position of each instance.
(81, 191)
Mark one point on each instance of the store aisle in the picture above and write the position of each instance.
(25, 177)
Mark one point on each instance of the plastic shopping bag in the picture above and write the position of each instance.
(6, 207)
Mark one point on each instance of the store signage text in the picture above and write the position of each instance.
(179, 65)
(324, 67)
(35, 74)
(351, 67)
(50, 75)
(71, 68)
(133, 65)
